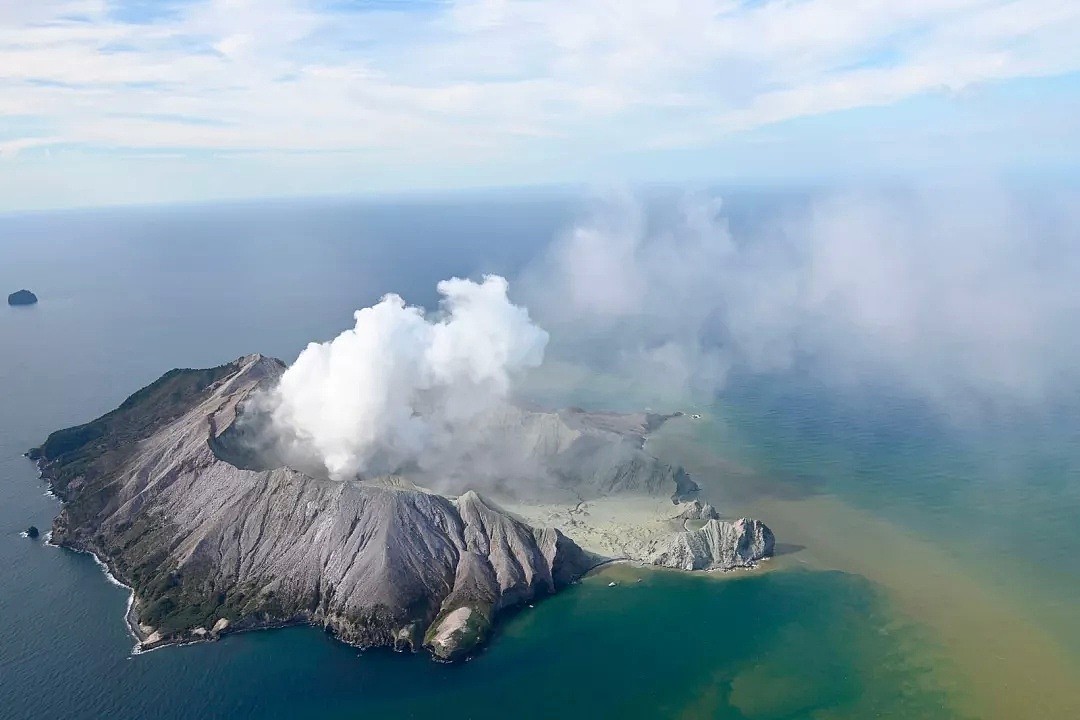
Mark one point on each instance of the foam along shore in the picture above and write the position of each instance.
(112, 580)
(130, 621)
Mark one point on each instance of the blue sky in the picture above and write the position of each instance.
(131, 101)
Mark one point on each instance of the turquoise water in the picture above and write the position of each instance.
(126, 295)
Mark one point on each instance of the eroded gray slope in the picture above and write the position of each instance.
(204, 543)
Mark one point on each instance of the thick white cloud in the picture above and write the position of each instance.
(469, 84)
(289, 75)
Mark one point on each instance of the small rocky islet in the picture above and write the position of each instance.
(22, 297)
(165, 491)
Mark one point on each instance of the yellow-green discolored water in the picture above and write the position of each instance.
(991, 646)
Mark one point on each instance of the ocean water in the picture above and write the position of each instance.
(911, 557)
(1003, 494)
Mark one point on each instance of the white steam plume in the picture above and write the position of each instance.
(960, 295)
(396, 386)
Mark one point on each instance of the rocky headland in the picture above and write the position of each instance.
(170, 492)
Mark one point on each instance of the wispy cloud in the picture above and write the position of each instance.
(477, 79)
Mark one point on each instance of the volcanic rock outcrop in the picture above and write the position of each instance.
(697, 510)
(717, 546)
